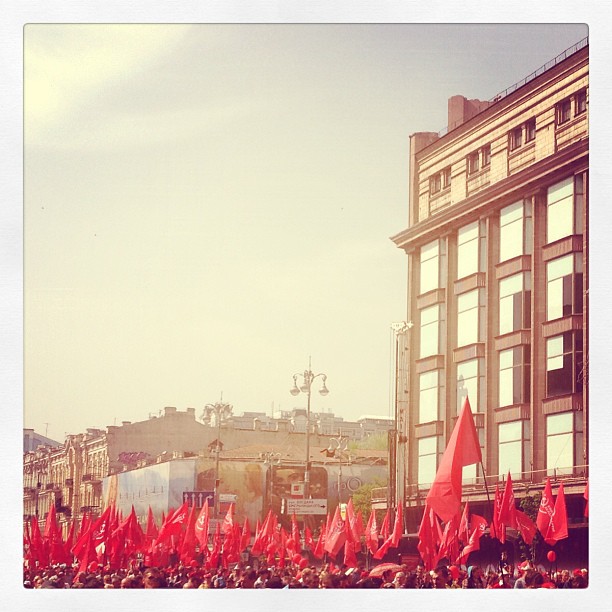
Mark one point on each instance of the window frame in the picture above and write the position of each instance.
(563, 112)
(580, 109)
(530, 130)
(572, 359)
(515, 138)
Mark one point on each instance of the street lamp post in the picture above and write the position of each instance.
(335, 449)
(306, 386)
(221, 412)
(270, 459)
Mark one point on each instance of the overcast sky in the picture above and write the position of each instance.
(206, 206)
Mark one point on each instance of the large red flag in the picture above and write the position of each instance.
(319, 550)
(507, 511)
(449, 546)
(546, 509)
(337, 535)
(188, 545)
(245, 535)
(498, 529)
(228, 521)
(463, 449)
(173, 523)
(201, 527)
(478, 525)
(557, 528)
(525, 526)
(371, 535)
(350, 558)
(386, 525)
(151, 529)
(308, 541)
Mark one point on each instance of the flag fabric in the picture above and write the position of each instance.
(463, 448)
(498, 529)
(336, 537)
(371, 534)
(173, 523)
(308, 541)
(449, 545)
(429, 538)
(478, 525)
(586, 497)
(201, 527)
(350, 557)
(507, 512)
(546, 509)
(228, 521)
(557, 528)
(319, 549)
(394, 537)
(245, 535)
(526, 527)
(151, 528)
(385, 527)
(463, 533)
(187, 548)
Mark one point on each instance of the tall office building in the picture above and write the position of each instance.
(497, 248)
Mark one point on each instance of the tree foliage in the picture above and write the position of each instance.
(362, 497)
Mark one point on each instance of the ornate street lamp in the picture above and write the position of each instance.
(221, 412)
(270, 459)
(306, 387)
(338, 446)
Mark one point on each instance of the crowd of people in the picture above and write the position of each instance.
(326, 576)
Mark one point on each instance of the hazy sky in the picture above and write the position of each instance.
(206, 206)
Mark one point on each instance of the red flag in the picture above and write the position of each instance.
(429, 538)
(319, 549)
(463, 449)
(245, 536)
(449, 546)
(308, 541)
(557, 529)
(350, 558)
(173, 523)
(463, 532)
(478, 525)
(371, 535)
(525, 526)
(201, 527)
(151, 530)
(546, 509)
(214, 555)
(385, 527)
(507, 511)
(586, 496)
(228, 521)
(188, 545)
(498, 529)
(337, 536)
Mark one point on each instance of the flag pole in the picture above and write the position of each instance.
(484, 475)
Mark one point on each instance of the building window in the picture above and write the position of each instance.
(515, 303)
(469, 319)
(471, 472)
(564, 364)
(430, 267)
(514, 442)
(514, 376)
(563, 442)
(486, 156)
(581, 102)
(530, 130)
(564, 286)
(473, 163)
(430, 331)
(516, 138)
(468, 250)
(429, 396)
(564, 111)
(428, 460)
(470, 383)
(564, 208)
(515, 230)
(439, 181)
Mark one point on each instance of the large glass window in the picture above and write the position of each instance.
(429, 396)
(511, 449)
(469, 306)
(430, 267)
(428, 464)
(468, 251)
(564, 208)
(560, 443)
(471, 472)
(564, 286)
(430, 331)
(564, 364)
(470, 384)
(515, 230)
(515, 303)
(514, 376)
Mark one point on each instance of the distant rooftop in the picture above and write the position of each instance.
(547, 66)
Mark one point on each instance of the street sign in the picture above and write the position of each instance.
(227, 498)
(307, 506)
(197, 498)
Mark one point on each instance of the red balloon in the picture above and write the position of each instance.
(193, 563)
(551, 556)
(303, 563)
(93, 566)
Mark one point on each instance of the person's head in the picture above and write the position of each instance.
(441, 577)
(387, 575)
(154, 579)
(399, 579)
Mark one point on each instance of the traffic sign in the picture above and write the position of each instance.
(307, 506)
(197, 498)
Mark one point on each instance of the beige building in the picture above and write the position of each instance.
(497, 251)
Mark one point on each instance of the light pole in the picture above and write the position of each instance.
(306, 386)
(221, 412)
(270, 459)
(335, 449)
